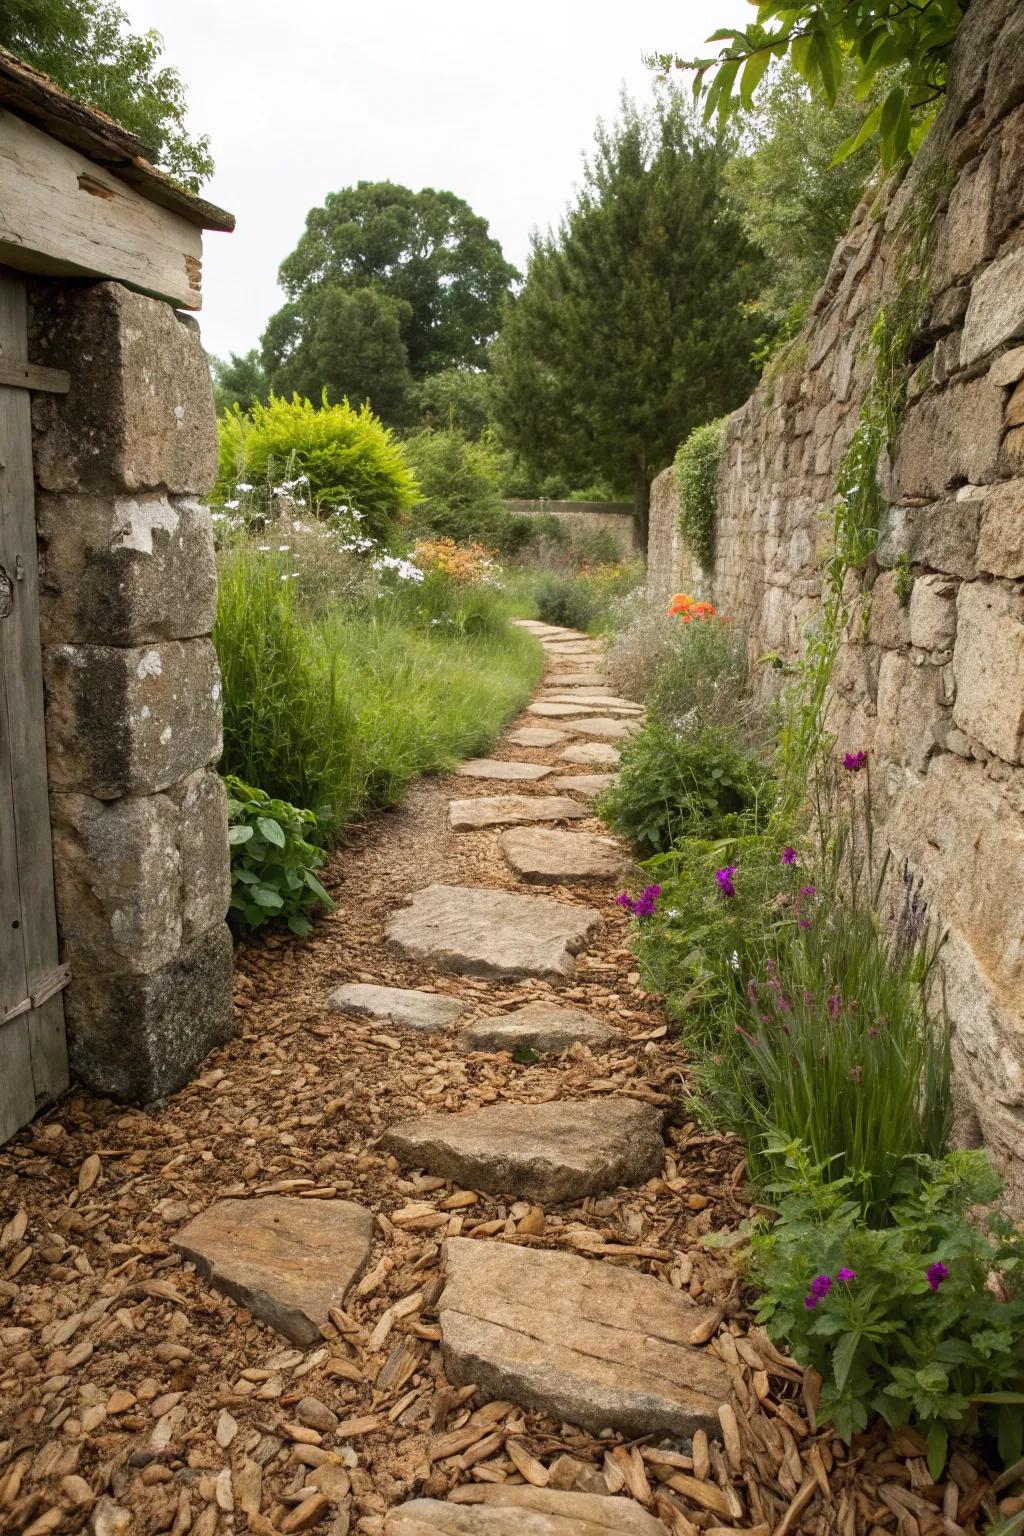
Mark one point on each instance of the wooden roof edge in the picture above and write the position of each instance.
(35, 97)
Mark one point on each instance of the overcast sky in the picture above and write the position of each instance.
(495, 103)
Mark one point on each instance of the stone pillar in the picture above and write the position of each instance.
(133, 703)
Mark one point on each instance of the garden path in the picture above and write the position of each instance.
(482, 1234)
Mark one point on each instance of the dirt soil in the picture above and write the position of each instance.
(136, 1399)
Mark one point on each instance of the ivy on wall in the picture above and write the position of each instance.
(696, 474)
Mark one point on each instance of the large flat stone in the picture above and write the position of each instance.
(592, 699)
(538, 1027)
(501, 810)
(591, 752)
(575, 677)
(592, 1344)
(492, 933)
(536, 736)
(497, 1509)
(589, 784)
(428, 1011)
(556, 710)
(544, 856)
(604, 725)
(287, 1260)
(562, 1150)
(493, 768)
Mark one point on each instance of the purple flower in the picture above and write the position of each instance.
(833, 1005)
(724, 878)
(846, 1275)
(624, 899)
(936, 1274)
(647, 901)
(853, 762)
(805, 922)
(820, 1287)
(789, 855)
(807, 891)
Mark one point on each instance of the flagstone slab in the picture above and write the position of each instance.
(477, 932)
(427, 1011)
(594, 752)
(500, 810)
(589, 784)
(536, 736)
(493, 768)
(537, 1027)
(604, 725)
(287, 1260)
(591, 698)
(563, 1150)
(555, 708)
(545, 856)
(577, 679)
(496, 1509)
(590, 1343)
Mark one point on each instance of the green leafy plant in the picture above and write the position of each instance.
(272, 861)
(920, 1320)
(903, 573)
(696, 471)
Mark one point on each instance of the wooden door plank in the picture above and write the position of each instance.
(13, 975)
(17, 1094)
(23, 682)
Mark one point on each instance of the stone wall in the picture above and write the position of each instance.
(133, 706)
(935, 687)
(586, 517)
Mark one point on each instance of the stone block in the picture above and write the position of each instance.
(139, 414)
(889, 620)
(933, 613)
(1008, 367)
(909, 710)
(126, 569)
(132, 720)
(140, 1037)
(952, 435)
(1011, 460)
(1006, 209)
(988, 663)
(964, 239)
(1015, 408)
(1004, 88)
(1001, 542)
(202, 806)
(995, 314)
(942, 535)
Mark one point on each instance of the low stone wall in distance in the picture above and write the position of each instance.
(587, 517)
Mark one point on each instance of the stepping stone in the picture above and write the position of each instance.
(576, 679)
(496, 810)
(589, 784)
(591, 752)
(555, 709)
(604, 725)
(536, 736)
(427, 1011)
(539, 1027)
(491, 768)
(495, 1509)
(492, 933)
(542, 856)
(562, 1150)
(590, 1343)
(287, 1260)
(592, 698)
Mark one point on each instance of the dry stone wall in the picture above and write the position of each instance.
(133, 703)
(933, 685)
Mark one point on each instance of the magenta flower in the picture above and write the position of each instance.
(820, 1287)
(805, 922)
(853, 762)
(936, 1274)
(724, 878)
(833, 1005)
(647, 901)
(846, 1275)
(789, 856)
(624, 899)
(807, 891)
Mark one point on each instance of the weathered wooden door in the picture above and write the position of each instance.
(33, 1053)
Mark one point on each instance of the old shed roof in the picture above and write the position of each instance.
(35, 97)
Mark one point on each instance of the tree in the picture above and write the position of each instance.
(427, 251)
(631, 328)
(345, 341)
(456, 397)
(914, 37)
(87, 47)
(239, 381)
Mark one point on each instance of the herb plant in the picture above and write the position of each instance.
(272, 861)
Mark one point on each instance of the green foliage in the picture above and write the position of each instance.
(630, 326)
(946, 1353)
(818, 36)
(456, 397)
(672, 783)
(342, 344)
(272, 862)
(579, 599)
(458, 480)
(87, 47)
(903, 583)
(239, 381)
(348, 456)
(696, 471)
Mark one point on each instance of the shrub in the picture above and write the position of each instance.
(457, 477)
(671, 783)
(463, 563)
(696, 472)
(348, 456)
(272, 862)
(921, 1321)
(565, 600)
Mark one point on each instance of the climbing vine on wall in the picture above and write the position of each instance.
(696, 472)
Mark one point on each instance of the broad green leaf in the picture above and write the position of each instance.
(271, 831)
(843, 1357)
(753, 74)
(238, 835)
(263, 896)
(938, 1444)
(850, 146)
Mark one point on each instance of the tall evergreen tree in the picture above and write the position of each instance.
(631, 329)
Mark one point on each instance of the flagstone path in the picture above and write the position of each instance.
(421, 1252)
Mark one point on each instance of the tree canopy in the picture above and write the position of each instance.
(87, 47)
(386, 287)
(631, 328)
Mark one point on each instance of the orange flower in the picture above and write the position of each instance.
(680, 603)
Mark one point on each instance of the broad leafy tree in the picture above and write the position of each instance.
(238, 381)
(88, 47)
(347, 342)
(632, 326)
